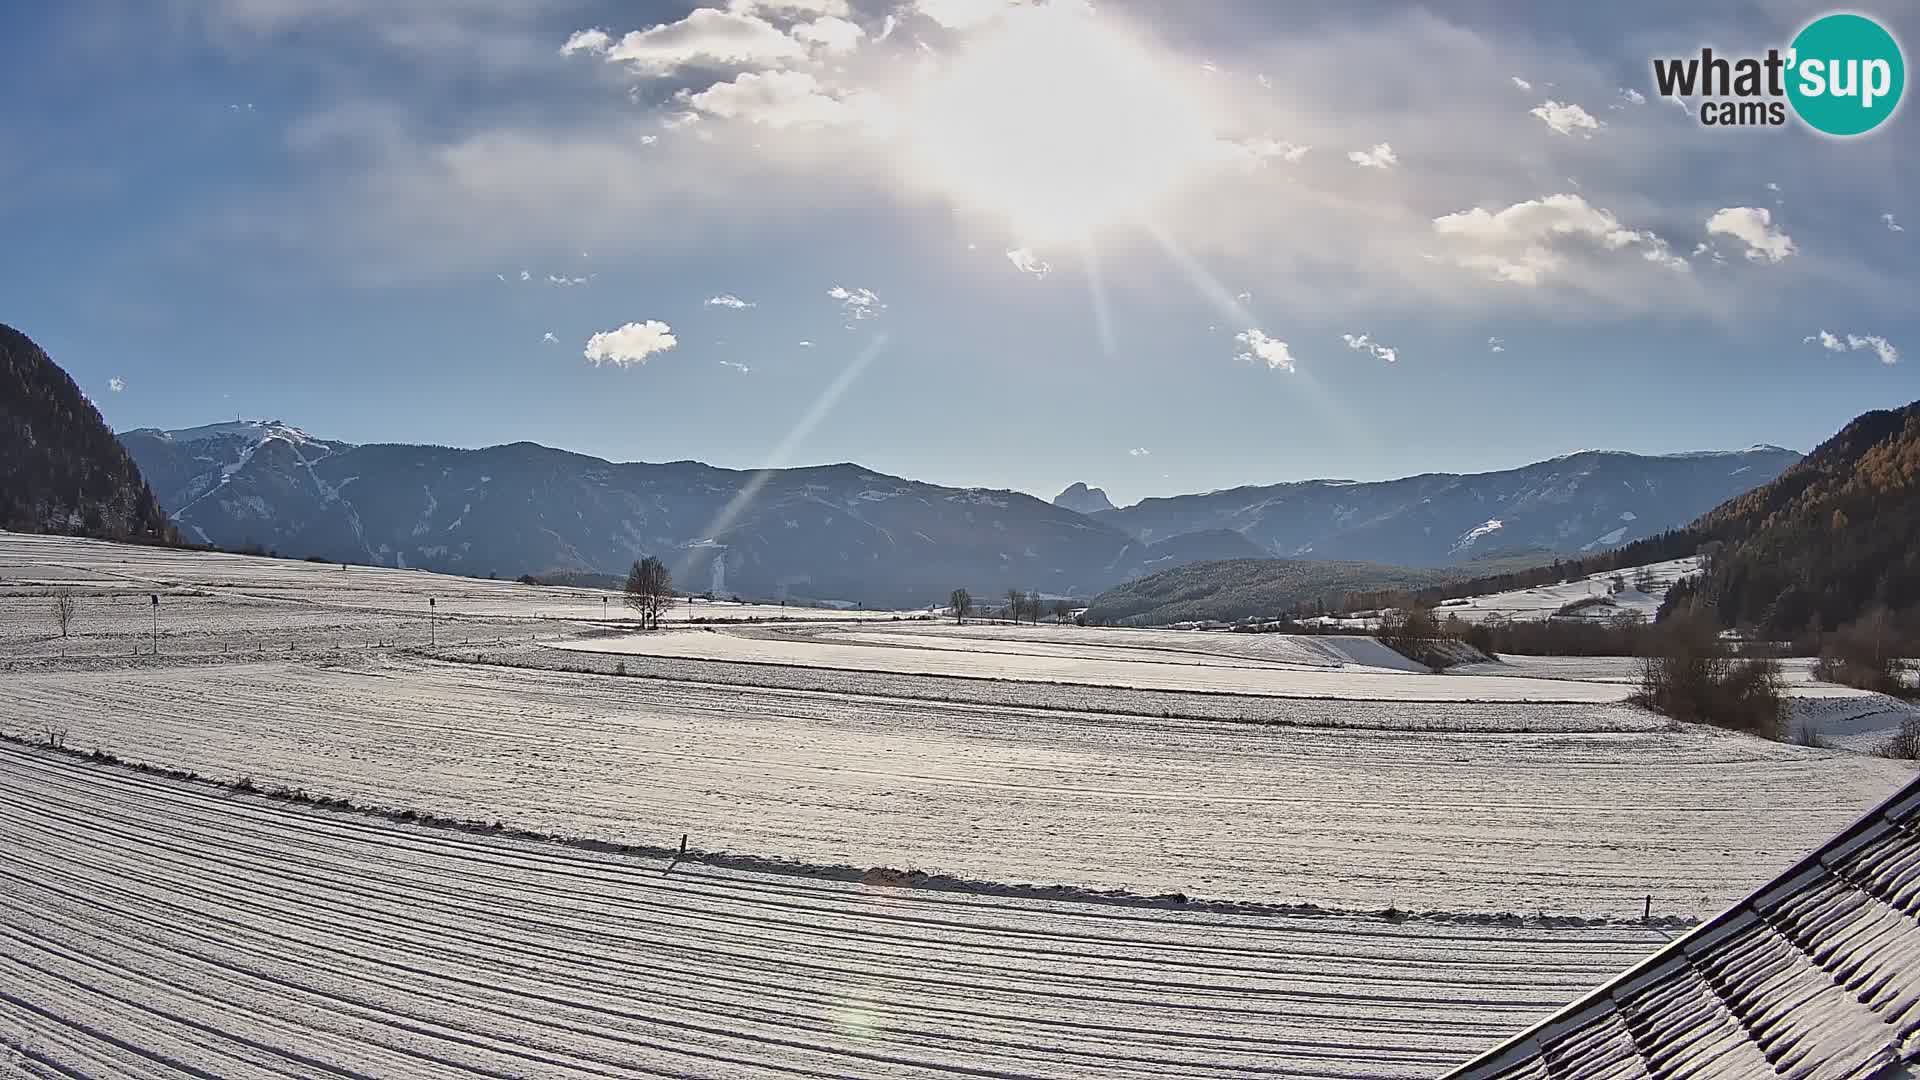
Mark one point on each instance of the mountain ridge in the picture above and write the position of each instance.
(830, 531)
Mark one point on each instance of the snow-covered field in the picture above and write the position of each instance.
(1571, 822)
(1103, 657)
(1539, 603)
(150, 925)
(154, 927)
(211, 602)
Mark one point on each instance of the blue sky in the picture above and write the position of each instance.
(1126, 246)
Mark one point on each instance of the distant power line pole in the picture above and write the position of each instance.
(155, 597)
(433, 627)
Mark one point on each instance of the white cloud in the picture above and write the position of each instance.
(1380, 157)
(1773, 185)
(548, 338)
(857, 304)
(1265, 148)
(1752, 226)
(707, 36)
(1892, 225)
(1880, 346)
(634, 343)
(1495, 344)
(1633, 97)
(777, 99)
(1139, 451)
(962, 14)
(1259, 347)
(791, 7)
(593, 41)
(1522, 83)
(831, 33)
(116, 384)
(1566, 119)
(1365, 343)
(1027, 262)
(728, 300)
(1525, 243)
(525, 276)
(806, 344)
(735, 365)
(649, 140)
(556, 279)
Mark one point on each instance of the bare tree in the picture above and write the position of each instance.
(962, 602)
(1062, 610)
(649, 591)
(1016, 604)
(63, 610)
(1035, 608)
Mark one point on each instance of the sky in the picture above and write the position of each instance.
(1156, 248)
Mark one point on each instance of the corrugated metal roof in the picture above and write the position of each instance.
(1814, 977)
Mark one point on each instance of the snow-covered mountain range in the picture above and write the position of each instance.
(849, 533)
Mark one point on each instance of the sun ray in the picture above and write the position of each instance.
(782, 452)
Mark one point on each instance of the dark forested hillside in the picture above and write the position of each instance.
(1832, 537)
(1245, 588)
(61, 469)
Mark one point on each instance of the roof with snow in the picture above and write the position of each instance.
(1815, 976)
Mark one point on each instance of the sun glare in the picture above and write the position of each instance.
(1058, 121)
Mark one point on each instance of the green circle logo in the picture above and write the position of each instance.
(1845, 75)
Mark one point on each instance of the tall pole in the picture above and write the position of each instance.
(433, 627)
(155, 597)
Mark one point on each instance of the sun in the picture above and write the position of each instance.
(1058, 121)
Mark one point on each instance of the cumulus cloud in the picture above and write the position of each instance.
(1522, 83)
(831, 32)
(1832, 342)
(1495, 344)
(526, 275)
(1139, 451)
(116, 384)
(806, 344)
(1027, 262)
(835, 8)
(1632, 96)
(1365, 343)
(634, 343)
(707, 36)
(1380, 157)
(1752, 226)
(777, 99)
(962, 14)
(728, 300)
(594, 41)
(1257, 346)
(857, 304)
(1892, 225)
(548, 338)
(1567, 119)
(1525, 244)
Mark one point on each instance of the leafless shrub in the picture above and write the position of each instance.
(1905, 743)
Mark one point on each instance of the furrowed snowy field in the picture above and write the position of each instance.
(157, 925)
(219, 935)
